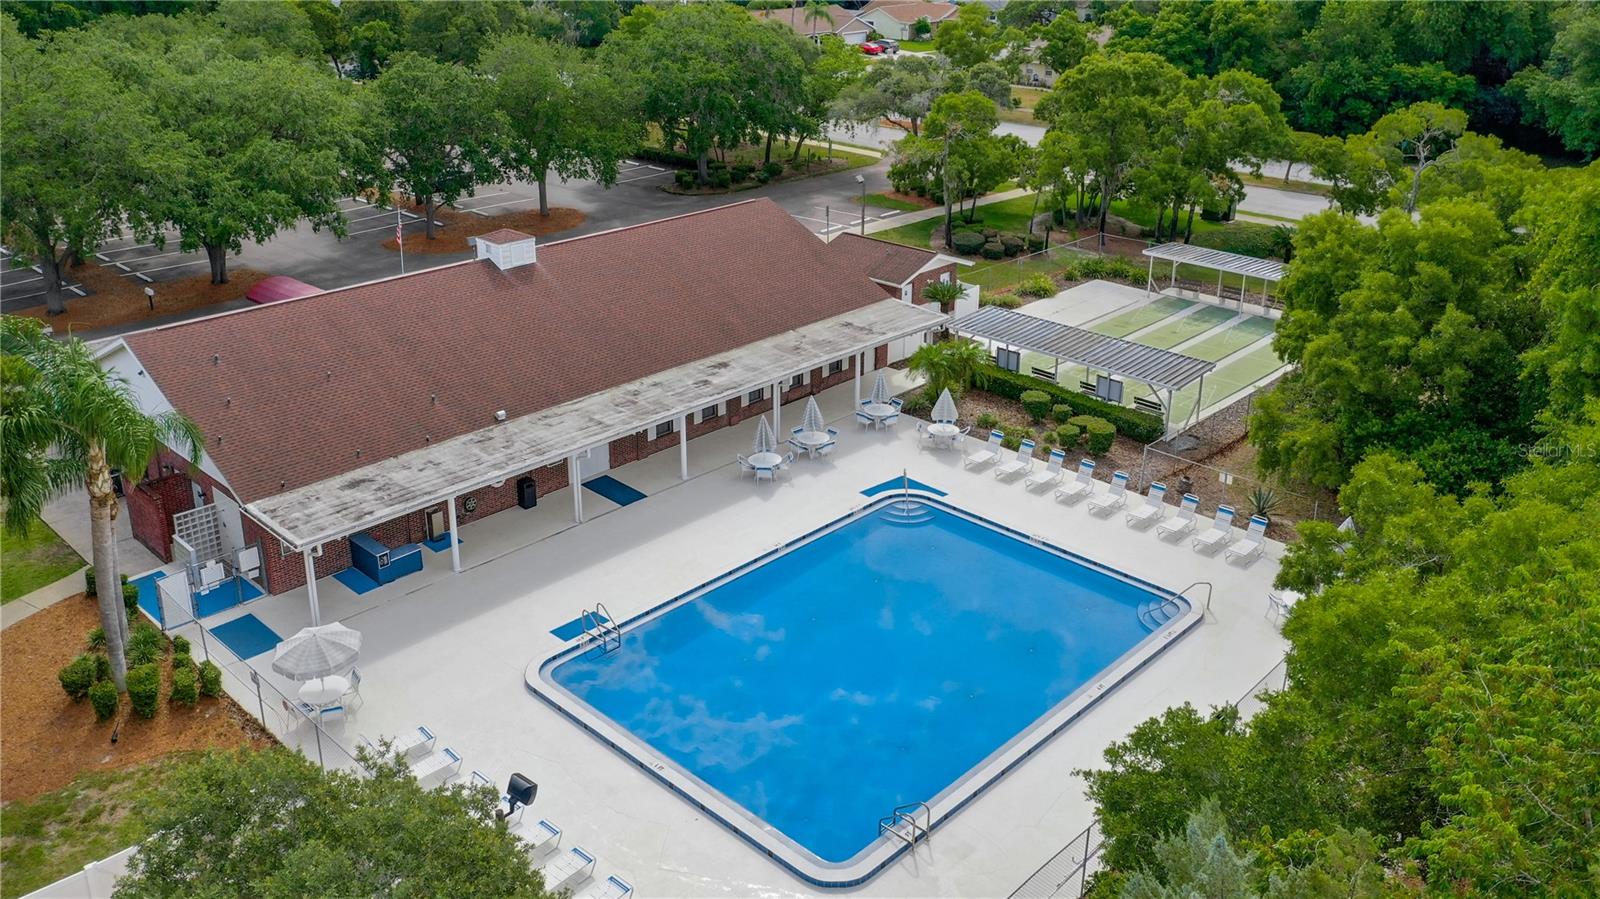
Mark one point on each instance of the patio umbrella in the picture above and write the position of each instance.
(812, 421)
(880, 390)
(945, 409)
(765, 441)
(317, 652)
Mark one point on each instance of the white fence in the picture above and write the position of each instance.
(95, 881)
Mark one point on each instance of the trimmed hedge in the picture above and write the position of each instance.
(1037, 402)
(993, 250)
(1101, 433)
(103, 696)
(966, 242)
(77, 676)
(180, 645)
(210, 678)
(130, 599)
(1247, 238)
(1061, 412)
(184, 690)
(145, 645)
(1003, 300)
(144, 690)
(668, 157)
(1068, 435)
(1140, 426)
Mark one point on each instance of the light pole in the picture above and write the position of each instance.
(150, 297)
(863, 182)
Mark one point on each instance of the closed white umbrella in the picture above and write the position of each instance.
(880, 390)
(945, 409)
(812, 420)
(765, 441)
(317, 652)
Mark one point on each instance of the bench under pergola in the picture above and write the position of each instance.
(1162, 370)
(1270, 271)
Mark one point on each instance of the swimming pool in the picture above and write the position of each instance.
(907, 653)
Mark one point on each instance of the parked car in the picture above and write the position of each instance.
(871, 48)
(888, 45)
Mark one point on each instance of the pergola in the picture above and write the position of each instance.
(1222, 262)
(305, 518)
(1161, 369)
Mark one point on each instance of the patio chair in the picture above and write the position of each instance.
(446, 760)
(832, 442)
(1112, 499)
(329, 713)
(989, 453)
(1219, 534)
(744, 464)
(1080, 486)
(573, 866)
(794, 434)
(1183, 522)
(893, 417)
(355, 688)
(1005, 471)
(1051, 474)
(865, 420)
(1155, 504)
(1279, 602)
(296, 711)
(614, 887)
(1247, 548)
(541, 838)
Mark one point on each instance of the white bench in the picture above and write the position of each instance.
(614, 887)
(541, 838)
(572, 867)
(443, 760)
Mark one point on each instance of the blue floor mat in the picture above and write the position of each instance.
(573, 628)
(225, 595)
(897, 484)
(356, 580)
(441, 543)
(613, 489)
(150, 594)
(247, 636)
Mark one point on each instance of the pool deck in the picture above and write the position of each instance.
(449, 651)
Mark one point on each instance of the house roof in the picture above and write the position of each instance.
(909, 12)
(839, 21)
(879, 259)
(1218, 260)
(299, 391)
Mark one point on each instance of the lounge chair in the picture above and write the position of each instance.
(1112, 499)
(1220, 533)
(1080, 486)
(989, 453)
(445, 759)
(614, 887)
(541, 838)
(573, 866)
(1151, 510)
(478, 778)
(405, 745)
(1005, 471)
(1246, 549)
(1051, 474)
(1183, 522)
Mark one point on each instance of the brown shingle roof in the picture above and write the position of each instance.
(909, 11)
(838, 21)
(879, 260)
(311, 388)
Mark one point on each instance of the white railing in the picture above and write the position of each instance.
(95, 881)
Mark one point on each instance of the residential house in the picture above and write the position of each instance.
(835, 20)
(897, 18)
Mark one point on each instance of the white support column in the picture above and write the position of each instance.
(455, 538)
(860, 363)
(311, 587)
(1173, 281)
(1150, 277)
(777, 408)
(682, 427)
(576, 483)
(1219, 287)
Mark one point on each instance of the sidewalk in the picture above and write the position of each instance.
(42, 598)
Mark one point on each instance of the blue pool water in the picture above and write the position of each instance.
(872, 666)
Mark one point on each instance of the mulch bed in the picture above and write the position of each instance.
(117, 300)
(47, 740)
(1124, 454)
(922, 202)
(459, 225)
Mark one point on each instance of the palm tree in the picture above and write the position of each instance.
(817, 11)
(948, 365)
(66, 422)
(943, 292)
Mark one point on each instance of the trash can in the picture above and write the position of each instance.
(527, 493)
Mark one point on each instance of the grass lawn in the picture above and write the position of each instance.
(1305, 187)
(917, 46)
(1006, 215)
(1028, 98)
(33, 561)
(883, 201)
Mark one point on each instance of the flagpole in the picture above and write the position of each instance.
(400, 238)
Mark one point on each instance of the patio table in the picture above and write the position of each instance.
(879, 411)
(944, 431)
(810, 441)
(324, 691)
(765, 460)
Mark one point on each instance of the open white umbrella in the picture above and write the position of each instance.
(812, 420)
(945, 409)
(765, 441)
(880, 390)
(317, 652)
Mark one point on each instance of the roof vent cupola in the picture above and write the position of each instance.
(507, 249)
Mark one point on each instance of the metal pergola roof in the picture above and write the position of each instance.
(1162, 368)
(1218, 260)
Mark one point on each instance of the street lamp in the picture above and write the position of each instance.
(863, 182)
(150, 297)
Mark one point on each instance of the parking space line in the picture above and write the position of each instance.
(643, 177)
(498, 193)
(4, 283)
(408, 216)
(162, 268)
(884, 215)
(479, 209)
(415, 221)
(39, 293)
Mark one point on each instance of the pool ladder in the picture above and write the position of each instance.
(600, 627)
(910, 822)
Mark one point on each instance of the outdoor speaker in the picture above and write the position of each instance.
(519, 792)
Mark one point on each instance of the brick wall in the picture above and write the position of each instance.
(922, 280)
(147, 514)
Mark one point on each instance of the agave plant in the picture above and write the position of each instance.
(1264, 501)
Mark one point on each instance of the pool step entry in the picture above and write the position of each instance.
(907, 512)
(600, 628)
(910, 823)
(1153, 613)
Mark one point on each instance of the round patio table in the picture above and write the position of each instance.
(811, 440)
(765, 460)
(944, 430)
(879, 411)
(324, 691)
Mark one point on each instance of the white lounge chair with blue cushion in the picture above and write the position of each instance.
(1005, 471)
(1246, 549)
(445, 760)
(1153, 507)
(541, 838)
(1112, 499)
(405, 745)
(1051, 474)
(613, 887)
(572, 866)
(1220, 533)
(1080, 486)
(1183, 522)
(989, 453)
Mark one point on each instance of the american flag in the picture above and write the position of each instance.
(399, 232)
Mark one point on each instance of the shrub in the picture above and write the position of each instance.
(1012, 244)
(1011, 440)
(1035, 243)
(743, 172)
(1068, 435)
(144, 690)
(990, 233)
(966, 242)
(1037, 286)
(145, 645)
(772, 169)
(103, 696)
(993, 250)
(130, 599)
(184, 690)
(684, 179)
(721, 178)
(210, 678)
(96, 641)
(1061, 413)
(986, 421)
(669, 157)
(1247, 238)
(1108, 268)
(77, 676)
(1037, 402)
(1140, 426)
(1100, 433)
(180, 644)
(181, 660)
(917, 406)
(1003, 300)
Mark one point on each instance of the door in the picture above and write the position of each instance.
(596, 460)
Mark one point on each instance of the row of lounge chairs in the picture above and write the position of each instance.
(564, 870)
(1153, 511)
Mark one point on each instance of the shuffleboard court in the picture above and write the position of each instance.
(1171, 333)
(1232, 340)
(1237, 375)
(1125, 323)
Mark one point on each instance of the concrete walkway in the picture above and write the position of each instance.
(42, 598)
(922, 215)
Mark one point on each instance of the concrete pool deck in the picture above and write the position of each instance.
(449, 651)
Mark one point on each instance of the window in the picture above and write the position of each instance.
(835, 366)
(797, 381)
(663, 429)
(755, 396)
(709, 412)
